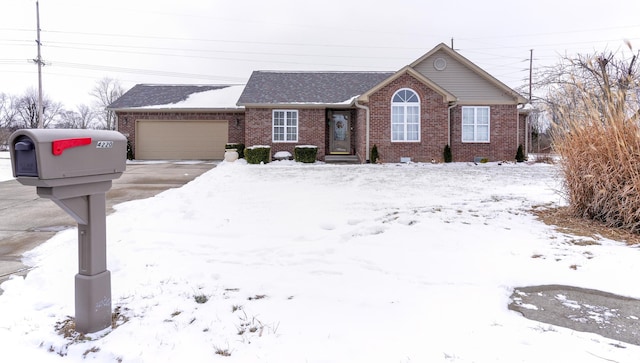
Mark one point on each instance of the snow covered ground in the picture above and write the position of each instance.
(5, 166)
(288, 262)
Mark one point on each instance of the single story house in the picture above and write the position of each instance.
(440, 99)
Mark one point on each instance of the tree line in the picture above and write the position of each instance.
(21, 111)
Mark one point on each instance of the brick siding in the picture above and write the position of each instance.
(503, 135)
(433, 123)
(311, 129)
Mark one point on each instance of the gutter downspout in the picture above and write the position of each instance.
(454, 104)
(368, 112)
(518, 127)
(527, 134)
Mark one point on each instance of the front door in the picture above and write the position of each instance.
(340, 133)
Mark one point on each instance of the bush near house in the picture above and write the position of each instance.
(257, 154)
(374, 156)
(448, 157)
(305, 154)
(129, 150)
(520, 154)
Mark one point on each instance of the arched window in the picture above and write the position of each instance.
(405, 116)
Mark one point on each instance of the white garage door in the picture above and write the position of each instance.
(180, 140)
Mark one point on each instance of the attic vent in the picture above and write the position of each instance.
(440, 64)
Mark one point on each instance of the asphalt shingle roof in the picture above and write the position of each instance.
(144, 95)
(274, 87)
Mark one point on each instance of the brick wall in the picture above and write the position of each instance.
(127, 122)
(311, 129)
(503, 135)
(433, 123)
(359, 136)
(506, 128)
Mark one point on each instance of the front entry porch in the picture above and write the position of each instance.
(341, 159)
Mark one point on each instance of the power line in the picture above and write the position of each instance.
(116, 48)
(140, 71)
(249, 42)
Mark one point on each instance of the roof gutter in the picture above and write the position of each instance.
(368, 113)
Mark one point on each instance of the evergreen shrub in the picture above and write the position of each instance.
(129, 150)
(374, 156)
(447, 154)
(520, 154)
(257, 154)
(305, 154)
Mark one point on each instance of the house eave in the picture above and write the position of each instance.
(297, 105)
(482, 102)
(177, 110)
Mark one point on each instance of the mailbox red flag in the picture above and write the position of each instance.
(59, 146)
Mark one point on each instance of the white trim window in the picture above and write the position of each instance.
(405, 116)
(476, 122)
(285, 126)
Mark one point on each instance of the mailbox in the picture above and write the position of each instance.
(54, 157)
(75, 169)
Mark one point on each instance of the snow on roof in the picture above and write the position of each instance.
(225, 98)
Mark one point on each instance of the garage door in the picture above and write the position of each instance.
(180, 140)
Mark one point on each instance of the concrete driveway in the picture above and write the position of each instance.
(27, 220)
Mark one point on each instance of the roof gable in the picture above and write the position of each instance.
(464, 78)
(446, 95)
(274, 87)
(149, 96)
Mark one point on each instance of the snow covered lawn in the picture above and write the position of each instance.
(289, 262)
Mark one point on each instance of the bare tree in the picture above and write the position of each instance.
(7, 116)
(106, 91)
(26, 110)
(83, 118)
(539, 126)
(7, 112)
(582, 79)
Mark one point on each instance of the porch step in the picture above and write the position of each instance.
(341, 159)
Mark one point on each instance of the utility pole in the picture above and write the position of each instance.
(40, 63)
(529, 133)
(530, 73)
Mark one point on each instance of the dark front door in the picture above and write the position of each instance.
(340, 133)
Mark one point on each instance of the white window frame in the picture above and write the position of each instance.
(289, 131)
(478, 126)
(404, 123)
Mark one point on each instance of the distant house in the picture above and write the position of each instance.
(409, 115)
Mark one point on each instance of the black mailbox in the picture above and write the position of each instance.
(25, 158)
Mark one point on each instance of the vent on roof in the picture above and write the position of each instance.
(440, 64)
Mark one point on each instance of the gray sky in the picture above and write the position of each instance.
(215, 41)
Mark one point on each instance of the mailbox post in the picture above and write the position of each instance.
(75, 169)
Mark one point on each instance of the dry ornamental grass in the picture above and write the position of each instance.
(599, 145)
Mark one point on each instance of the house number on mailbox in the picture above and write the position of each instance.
(104, 144)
